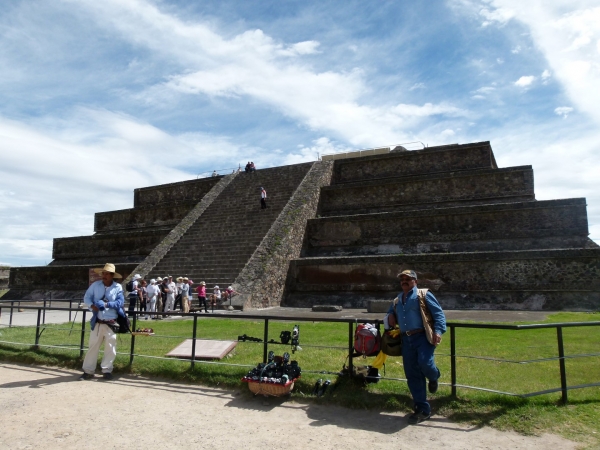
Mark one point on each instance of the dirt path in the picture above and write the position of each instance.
(44, 407)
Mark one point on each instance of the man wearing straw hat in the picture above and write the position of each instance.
(105, 299)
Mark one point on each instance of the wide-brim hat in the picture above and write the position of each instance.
(158, 279)
(109, 268)
(408, 273)
(185, 278)
(203, 283)
(179, 279)
(152, 281)
(216, 287)
(136, 277)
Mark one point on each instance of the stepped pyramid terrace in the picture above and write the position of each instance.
(337, 231)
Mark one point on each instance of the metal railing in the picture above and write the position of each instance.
(561, 357)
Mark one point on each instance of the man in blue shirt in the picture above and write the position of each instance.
(105, 299)
(417, 351)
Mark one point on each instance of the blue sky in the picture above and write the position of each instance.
(100, 98)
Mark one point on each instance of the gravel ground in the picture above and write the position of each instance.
(44, 407)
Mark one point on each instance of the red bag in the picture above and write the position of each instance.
(367, 339)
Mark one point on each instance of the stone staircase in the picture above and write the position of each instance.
(218, 245)
(473, 232)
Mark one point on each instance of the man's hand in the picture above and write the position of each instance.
(436, 339)
(94, 308)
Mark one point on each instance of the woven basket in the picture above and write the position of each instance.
(270, 389)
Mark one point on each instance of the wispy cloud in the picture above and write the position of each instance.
(525, 81)
(563, 111)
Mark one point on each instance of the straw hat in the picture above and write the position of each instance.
(159, 279)
(108, 268)
(216, 287)
(179, 279)
(186, 279)
(203, 283)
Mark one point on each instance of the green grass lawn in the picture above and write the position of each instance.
(579, 420)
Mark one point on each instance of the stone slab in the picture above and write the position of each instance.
(378, 306)
(326, 308)
(205, 349)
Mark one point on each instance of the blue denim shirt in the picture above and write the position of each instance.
(409, 312)
(97, 294)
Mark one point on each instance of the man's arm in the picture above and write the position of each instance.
(118, 302)
(439, 318)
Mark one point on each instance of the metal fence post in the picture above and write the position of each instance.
(82, 334)
(350, 347)
(265, 343)
(453, 359)
(194, 341)
(563, 369)
(70, 307)
(12, 304)
(37, 329)
(44, 318)
(132, 337)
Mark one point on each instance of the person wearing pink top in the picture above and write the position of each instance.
(202, 296)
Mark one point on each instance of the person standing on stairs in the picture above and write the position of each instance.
(263, 198)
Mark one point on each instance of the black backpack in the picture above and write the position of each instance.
(129, 286)
(124, 323)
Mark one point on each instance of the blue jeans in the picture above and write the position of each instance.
(419, 365)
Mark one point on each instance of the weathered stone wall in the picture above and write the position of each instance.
(478, 186)
(181, 192)
(176, 233)
(102, 246)
(142, 217)
(58, 282)
(532, 280)
(510, 226)
(4, 274)
(261, 282)
(431, 160)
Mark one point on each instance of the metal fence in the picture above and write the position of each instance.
(352, 323)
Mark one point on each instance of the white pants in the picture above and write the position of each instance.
(101, 332)
(170, 302)
(151, 307)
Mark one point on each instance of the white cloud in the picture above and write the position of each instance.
(546, 75)
(563, 111)
(525, 81)
(516, 50)
(499, 60)
(417, 86)
(499, 15)
(565, 30)
(254, 65)
(446, 134)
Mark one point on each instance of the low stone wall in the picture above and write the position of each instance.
(528, 280)
(107, 246)
(33, 283)
(430, 160)
(183, 191)
(261, 282)
(511, 226)
(176, 233)
(142, 217)
(483, 186)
